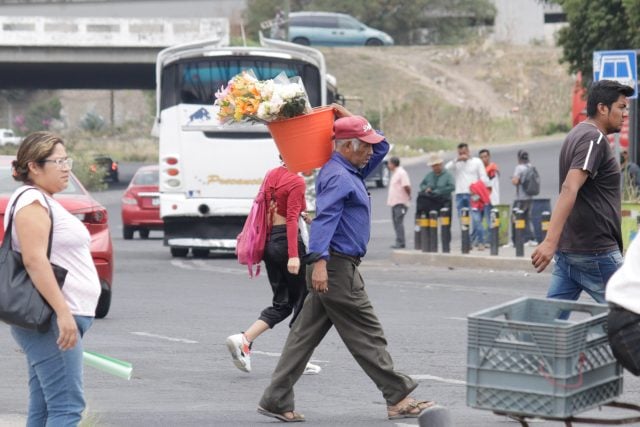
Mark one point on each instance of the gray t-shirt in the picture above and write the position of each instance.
(594, 223)
(519, 172)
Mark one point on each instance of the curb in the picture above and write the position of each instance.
(486, 262)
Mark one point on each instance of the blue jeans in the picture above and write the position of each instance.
(463, 200)
(55, 377)
(577, 272)
(478, 232)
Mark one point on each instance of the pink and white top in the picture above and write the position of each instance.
(397, 193)
(70, 249)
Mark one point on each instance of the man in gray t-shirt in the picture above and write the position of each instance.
(584, 231)
(523, 201)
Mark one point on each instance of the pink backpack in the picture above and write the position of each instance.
(252, 239)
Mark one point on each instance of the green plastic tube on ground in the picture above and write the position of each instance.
(110, 365)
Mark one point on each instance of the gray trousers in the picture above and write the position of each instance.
(347, 307)
(397, 213)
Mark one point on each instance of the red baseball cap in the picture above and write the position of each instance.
(356, 127)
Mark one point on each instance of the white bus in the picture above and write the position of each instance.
(210, 173)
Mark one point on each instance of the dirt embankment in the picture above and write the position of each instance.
(431, 97)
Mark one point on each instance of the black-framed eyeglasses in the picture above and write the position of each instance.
(60, 163)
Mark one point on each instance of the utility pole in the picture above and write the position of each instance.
(287, 9)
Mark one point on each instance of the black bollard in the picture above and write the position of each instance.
(494, 230)
(520, 224)
(433, 231)
(424, 232)
(545, 218)
(416, 235)
(464, 227)
(445, 229)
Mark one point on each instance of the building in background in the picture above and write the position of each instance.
(527, 21)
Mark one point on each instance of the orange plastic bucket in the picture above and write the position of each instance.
(304, 142)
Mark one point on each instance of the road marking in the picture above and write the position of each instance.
(207, 266)
(440, 379)
(270, 354)
(464, 319)
(380, 221)
(162, 337)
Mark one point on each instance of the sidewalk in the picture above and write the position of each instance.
(505, 260)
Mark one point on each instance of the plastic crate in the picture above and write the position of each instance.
(522, 359)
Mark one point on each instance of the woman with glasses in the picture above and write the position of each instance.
(54, 358)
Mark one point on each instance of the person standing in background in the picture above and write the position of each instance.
(493, 173)
(466, 170)
(399, 199)
(523, 200)
(436, 188)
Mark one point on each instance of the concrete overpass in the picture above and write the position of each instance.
(93, 53)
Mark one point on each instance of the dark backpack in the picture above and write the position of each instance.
(531, 181)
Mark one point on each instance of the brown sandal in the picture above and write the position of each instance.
(296, 418)
(412, 409)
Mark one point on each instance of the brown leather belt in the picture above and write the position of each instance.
(354, 259)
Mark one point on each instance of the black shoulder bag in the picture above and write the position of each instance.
(20, 302)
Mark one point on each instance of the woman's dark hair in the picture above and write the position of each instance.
(605, 92)
(395, 161)
(36, 147)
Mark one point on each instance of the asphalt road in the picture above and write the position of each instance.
(170, 318)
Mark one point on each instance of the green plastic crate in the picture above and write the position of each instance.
(522, 359)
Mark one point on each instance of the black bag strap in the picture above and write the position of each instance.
(7, 236)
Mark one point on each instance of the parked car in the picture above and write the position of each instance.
(141, 203)
(333, 29)
(108, 166)
(77, 200)
(8, 137)
(380, 175)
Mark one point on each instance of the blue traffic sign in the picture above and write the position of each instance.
(618, 65)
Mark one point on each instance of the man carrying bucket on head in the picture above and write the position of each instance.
(339, 236)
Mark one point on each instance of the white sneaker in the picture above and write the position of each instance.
(311, 369)
(240, 350)
(532, 243)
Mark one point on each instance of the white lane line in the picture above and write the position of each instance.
(202, 265)
(270, 354)
(440, 379)
(162, 337)
(380, 221)
(464, 319)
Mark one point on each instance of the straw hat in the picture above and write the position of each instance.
(435, 159)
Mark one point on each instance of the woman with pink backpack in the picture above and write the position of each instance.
(279, 205)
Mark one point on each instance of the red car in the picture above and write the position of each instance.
(77, 200)
(141, 203)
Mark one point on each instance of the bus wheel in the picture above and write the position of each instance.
(179, 252)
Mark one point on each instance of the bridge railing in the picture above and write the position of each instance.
(109, 32)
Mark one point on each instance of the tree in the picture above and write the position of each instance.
(597, 25)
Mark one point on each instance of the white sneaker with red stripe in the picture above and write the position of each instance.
(240, 350)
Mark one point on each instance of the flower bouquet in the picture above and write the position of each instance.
(303, 135)
(248, 99)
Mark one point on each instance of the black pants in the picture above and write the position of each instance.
(426, 202)
(623, 330)
(289, 290)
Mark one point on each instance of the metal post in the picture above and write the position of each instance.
(520, 224)
(494, 230)
(464, 227)
(445, 229)
(433, 231)
(544, 223)
(416, 235)
(424, 232)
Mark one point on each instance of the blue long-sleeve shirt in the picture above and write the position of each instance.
(343, 207)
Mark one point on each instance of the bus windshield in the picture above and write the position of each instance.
(196, 80)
